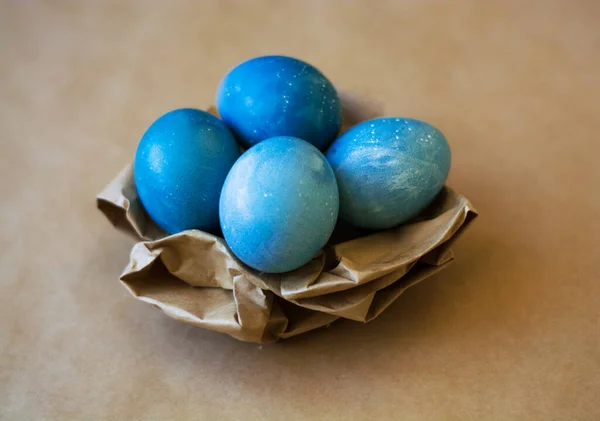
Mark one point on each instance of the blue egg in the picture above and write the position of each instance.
(279, 205)
(179, 169)
(388, 170)
(279, 96)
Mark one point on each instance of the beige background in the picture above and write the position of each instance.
(510, 331)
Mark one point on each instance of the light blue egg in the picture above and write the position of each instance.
(179, 169)
(279, 96)
(279, 204)
(388, 170)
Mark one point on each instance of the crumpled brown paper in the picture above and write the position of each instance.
(194, 277)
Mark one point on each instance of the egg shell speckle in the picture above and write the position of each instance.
(388, 170)
(279, 204)
(279, 96)
(179, 169)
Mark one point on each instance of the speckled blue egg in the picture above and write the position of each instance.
(388, 170)
(279, 96)
(179, 169)
(279, 204)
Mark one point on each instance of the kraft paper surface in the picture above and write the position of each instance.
(508, 331)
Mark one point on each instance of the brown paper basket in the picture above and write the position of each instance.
(194, 277)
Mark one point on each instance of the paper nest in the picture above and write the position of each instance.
(194, 277)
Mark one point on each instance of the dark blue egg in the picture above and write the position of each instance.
(388, 170)
(279, 204)
(179, 169)
(279, 96)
